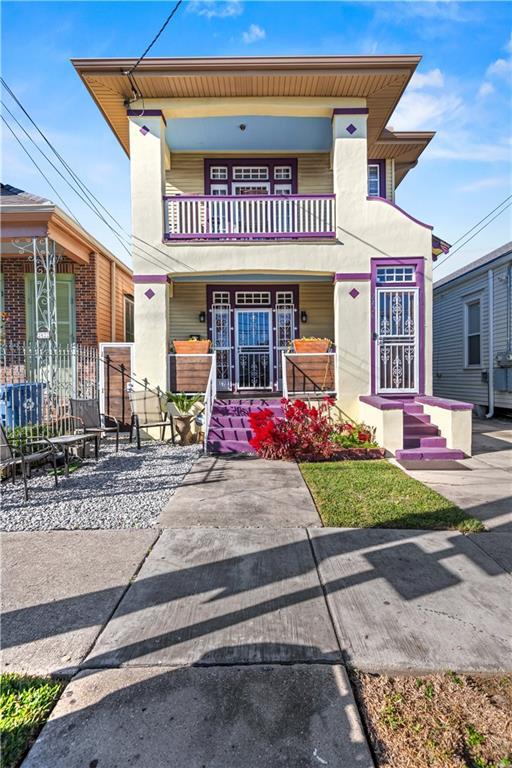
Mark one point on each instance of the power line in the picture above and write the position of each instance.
(38, 168)
(452, 253)
(484, 218)
(166, 22)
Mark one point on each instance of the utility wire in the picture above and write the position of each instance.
(462, 245)
(166, 22)
(39, 169)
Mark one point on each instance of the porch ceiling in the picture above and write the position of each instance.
(380, 80)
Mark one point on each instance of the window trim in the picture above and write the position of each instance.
(467, 303)
(269, 162)
(381, 165)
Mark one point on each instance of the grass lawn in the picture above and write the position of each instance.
(375, 494)
(437, 721)
(25, 703)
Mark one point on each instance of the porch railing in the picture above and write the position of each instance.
(209, 398)
(251, 217)
(308, 373)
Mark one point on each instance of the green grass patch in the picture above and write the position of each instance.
(25, 703)
(375, 494)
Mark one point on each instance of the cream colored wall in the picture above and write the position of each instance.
(388, 426)
(365, 229)
(186, 174)
(186, 302)
(455, 426)
(318, 301)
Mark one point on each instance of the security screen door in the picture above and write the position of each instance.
(253, 332)
(396, 334)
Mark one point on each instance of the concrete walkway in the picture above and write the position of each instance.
(227, 646)
(482, 485)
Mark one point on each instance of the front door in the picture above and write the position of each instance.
(253, 340)
(396, 333)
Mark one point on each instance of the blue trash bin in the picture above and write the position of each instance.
(21, 404)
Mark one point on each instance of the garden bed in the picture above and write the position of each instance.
(375, 494)
(439, 721)
(25, 705)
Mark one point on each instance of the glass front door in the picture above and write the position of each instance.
(253, 337)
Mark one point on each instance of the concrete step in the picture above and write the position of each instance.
(412, 442)
(420, 430)
(416, 418)
(413, 407)
(237, 435)
(432, 442)
(428, 454)
(229, 422)
(243, 410)
(254, 402)
(229, 446)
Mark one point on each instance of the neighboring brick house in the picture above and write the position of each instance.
(94, 289)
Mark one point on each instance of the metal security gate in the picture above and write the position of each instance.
(253, 337)
(221, 338)
(285, 334)
(397, 340)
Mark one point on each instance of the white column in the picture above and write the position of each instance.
(350, 167)
(353, 342)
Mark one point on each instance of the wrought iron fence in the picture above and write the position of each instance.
(35, 386)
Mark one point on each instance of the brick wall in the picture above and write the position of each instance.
(85, 298)
(13, 271)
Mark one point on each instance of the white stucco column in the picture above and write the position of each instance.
(350, 164)
(352, 340)
(149, 156)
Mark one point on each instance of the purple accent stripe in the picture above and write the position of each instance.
(220, 198)
(381, 403)
(150, 278)
(146, 113)
(441, 402)
(347, 276)
(249, 236)
(350, 111)
(393, 205)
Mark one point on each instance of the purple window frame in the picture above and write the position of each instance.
(418, 283)
(230, 162)
(382, 177)
(232, 289)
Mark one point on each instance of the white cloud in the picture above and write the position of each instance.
(427, 111)
(222, 9)
(485, 89)
(502, 67)
(432, 79)
(486, 183)
(463, 148)
(253, 34)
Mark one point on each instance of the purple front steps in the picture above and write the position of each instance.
(230, 430)
(422, 441)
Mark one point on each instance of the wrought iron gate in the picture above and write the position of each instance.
(221, 338)
(397, 339)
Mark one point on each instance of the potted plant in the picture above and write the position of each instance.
(184, 415)
(192, 346)
(311, 345)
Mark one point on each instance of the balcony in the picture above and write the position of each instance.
(249, 217)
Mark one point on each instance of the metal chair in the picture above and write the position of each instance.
(147, 412)
(87, 412)
(11, 455)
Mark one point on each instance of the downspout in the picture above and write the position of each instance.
(490, 373)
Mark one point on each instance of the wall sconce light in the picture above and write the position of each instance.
(202, 317)
(303, 316)
(242, 126)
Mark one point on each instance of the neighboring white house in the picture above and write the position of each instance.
(473, 333)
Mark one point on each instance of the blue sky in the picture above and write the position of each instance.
(462, 90)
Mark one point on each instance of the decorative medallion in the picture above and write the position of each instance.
(354, 293)
(144, 130)
(149, 293)
(351, 128)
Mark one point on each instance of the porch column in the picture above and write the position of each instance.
(151, 328)
(350, 166)
(352, 337)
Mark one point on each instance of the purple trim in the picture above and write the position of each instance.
(249, 197)
(348, 276)
(150, 278)
(252, 236)
(419, 283)
(149, 293)
(350, 111)
(232, 289)
(146, 113)
(393, 205)
(271, 162)
(441, 402)
(381, 403)
(382, 176)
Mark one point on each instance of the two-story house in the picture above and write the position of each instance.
(263, 209)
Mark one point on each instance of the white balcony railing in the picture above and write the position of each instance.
(251, 217)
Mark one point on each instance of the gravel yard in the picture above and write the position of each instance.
(123, 490)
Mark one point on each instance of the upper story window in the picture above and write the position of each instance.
(472, 333)
(374, 180)
(129, 309)
(284, 298)
(252, 297)
(396, 274)
(218, 172)
(221, 297)
(283, 173)
(250, 173)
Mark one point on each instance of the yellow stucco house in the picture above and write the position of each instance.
(263, 210)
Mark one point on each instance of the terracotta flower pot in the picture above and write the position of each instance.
(311, 345)
(192, 347)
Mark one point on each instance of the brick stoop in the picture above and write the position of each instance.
(422, 441)
(230, 430)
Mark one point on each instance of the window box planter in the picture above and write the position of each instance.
(192, 347)
(311, 346)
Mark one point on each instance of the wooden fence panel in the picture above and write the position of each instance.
(189, 373)
(310, 373)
